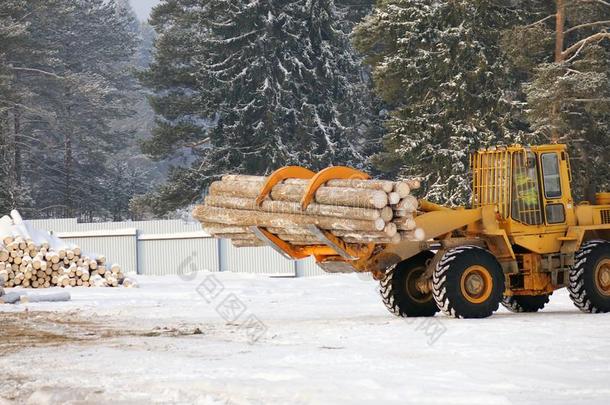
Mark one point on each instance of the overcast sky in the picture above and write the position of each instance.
(143, 7)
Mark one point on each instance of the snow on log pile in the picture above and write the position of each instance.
(31, 258)
(357, 211)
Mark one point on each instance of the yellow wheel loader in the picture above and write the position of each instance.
(522, 238)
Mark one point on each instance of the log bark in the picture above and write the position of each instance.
(290, 231)
(364, 239)
(266, 219)
(213, 228)
(383, 185)
(351, 197)
(350, 234)
(234, 235)
(299, 238)
(247, 243)
(287, 207)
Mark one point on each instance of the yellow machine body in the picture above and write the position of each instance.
(522, 211)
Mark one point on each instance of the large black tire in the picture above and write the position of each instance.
(399, 293)
(468, 282)
(525, 303)
(589, 285)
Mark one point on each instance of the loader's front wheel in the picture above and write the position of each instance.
(399, 289)
(589, 285)
(468, 282)
(525, 303)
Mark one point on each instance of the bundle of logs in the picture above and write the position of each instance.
(25, 264)
(31, 258)
(357, 211)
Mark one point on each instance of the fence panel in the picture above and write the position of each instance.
(258, 260)
(161, 254)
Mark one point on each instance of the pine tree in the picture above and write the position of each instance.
(249, 87)
(439, 68)
(563, 53)
(65, 79)
(84, 49)
(353, 11)
(13, 34)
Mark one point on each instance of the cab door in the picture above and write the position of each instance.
(538, 202)
(556, 190)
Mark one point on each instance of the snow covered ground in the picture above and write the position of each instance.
(322, 340)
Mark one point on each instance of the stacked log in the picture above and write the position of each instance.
(30, 258)
(354, 210)
(39, 266)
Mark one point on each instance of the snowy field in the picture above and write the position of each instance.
(323, 340)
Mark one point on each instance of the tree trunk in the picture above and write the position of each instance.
(68, 160)
(560, 18)
(17, 145)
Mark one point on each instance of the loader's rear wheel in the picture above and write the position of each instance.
(468, 282)
(589, 285)
(525, 303)
(399, 289)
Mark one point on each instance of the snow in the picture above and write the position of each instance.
(328, 340)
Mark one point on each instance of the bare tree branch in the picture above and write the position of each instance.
(594, 37)
(198, 143)
(548, 17)
(590, 100)
(576, 53)
(576, 27)
(605, 3)
(43, 72)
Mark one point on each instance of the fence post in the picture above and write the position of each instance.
(137, 236)
(221, 255)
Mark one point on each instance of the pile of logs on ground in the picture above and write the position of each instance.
(25, 264)
(357, 211)
(31, 258)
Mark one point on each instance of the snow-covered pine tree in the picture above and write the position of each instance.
(171, 78)
(563, 52)
(13, 34)
(248, 87)
(84, 48)
(354, 10)
(439, 67)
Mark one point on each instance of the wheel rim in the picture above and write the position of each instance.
(476, 284)
(411, 286)
(602, 277)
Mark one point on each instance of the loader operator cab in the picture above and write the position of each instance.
(530, 186)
